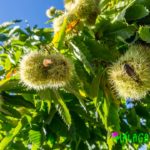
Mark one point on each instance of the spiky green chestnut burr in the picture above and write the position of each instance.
(69, 4)
(39, 71)
(130, 75)
(86, 10)
(50, 12)
(57, 23)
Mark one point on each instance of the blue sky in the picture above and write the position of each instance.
(31, 10)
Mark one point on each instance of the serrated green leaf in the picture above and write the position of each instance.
(61, 107)
(77, 49)
(8, 110)
(12, 85)
(121, 29)
(144, 33)
(136, 12)
(133, 118)
(83, 76)
(16, 100)
(103, 3)
(142, 111)
(2, 72)
(110, 117)
(82, 47)
(56, 124)
(106, 28)
(121, 14)
(17, 55)
(146, 3)
(80, 127)
(8, 138)
(3, 37)
(18, 42)
(35, 137)
(73, 89)
(101, 51)
(95, 86)
(5, 25)
(81, 72)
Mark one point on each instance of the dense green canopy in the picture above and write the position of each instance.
(85, 113)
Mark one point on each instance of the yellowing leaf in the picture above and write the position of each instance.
(82, 93)
(55, 39)
(10, 74)
(72, 25)
(59, 36)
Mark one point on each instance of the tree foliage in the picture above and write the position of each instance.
(84, 113)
